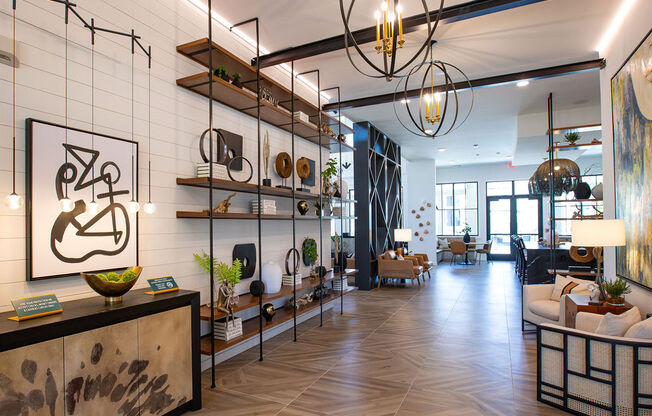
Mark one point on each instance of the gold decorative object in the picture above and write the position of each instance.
(223, 207)
(427, 222)
(420, 238)
(414, 211)
(416, 233)
(420, 224)
(418, 216)
(266, 154)
(428, 204)
(421, 209)
(426, 231)
(226, 300)
(112, 291)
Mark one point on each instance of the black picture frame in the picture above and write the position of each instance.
(29, 145)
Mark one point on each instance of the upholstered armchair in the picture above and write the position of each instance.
(426, 264)
(538, 308)
(589, 374)
(390, 267)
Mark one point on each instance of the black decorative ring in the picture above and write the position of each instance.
(251, 169)
(225, 149)
(287, 261)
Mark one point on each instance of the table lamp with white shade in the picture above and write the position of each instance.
(402, 235)
(598, 234)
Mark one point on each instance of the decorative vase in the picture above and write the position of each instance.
(272, 277)
(268, 312)
(302, 206)
(112, 290)
(582, 191)
(466, 238)
(267, 182)
(597, 191)
(345, 189)
(237, 82)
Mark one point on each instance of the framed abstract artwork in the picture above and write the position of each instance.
(631, 107)
(85, 167)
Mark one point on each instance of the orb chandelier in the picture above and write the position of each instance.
(439, 109)
(565, 173)
(389, 38)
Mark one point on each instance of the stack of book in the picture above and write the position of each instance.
(287, 279)
(219, 171)
(340, 284)
(268, 207)
(226, 330)
(302, 116)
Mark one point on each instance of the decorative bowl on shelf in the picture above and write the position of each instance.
(113, 285)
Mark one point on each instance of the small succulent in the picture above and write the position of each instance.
(222, 72)
(572, 136)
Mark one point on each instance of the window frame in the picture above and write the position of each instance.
(439, 211)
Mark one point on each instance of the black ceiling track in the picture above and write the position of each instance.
(541, 73)
(450, 14)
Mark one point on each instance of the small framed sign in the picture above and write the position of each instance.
(35, 307)
(162, 285)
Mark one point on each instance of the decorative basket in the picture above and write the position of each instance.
(112, 291)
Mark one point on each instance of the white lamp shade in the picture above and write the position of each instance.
(598, 233)
(402, 234)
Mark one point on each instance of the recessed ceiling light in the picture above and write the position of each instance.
(508, 157)
(477, 154)
(475, 146)
(442, 149)
(404, 101)
(451, 162)
(497, 153)
(522, 83)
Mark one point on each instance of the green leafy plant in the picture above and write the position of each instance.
(222, 72)
(616, 288)
(309, 249)
(236, 77)
(229, 275)
(113, 277)
(572, 136)
(330, 171)
(128, 276)
(467, 228)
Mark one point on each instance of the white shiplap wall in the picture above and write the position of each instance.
(178, 118)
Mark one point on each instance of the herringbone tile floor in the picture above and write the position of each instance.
(450, 347)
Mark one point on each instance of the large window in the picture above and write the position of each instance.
(456, 204)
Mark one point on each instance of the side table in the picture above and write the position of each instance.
(580, 303)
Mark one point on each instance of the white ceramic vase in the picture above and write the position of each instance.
(597, 191)
(272, 277)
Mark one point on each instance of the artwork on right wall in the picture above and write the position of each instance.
(631, 106)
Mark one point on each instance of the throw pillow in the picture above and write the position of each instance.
(399, 257)
(617, 325)
(442, 242)
(566, 285)
(642, 330)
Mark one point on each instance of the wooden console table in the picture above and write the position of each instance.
(137, 357)
(580, 303)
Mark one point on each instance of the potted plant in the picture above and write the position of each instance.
(330, 188)
(227, 277)
(337, 248)
(466, 230)
(616, 291)
(222, 72)
(309, 249)
(572, 136)
(236, 80)
(322, 208)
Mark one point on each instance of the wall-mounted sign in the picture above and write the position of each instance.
(84, 166)
(162, 285)
(35, 306)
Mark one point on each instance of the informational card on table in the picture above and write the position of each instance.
(162, 285)
(35, 306)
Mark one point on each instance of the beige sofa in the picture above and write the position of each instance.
(538, 308)
(590, 374)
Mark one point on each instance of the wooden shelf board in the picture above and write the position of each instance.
(232, 216)
(245, 102)
(247, 301)
(250, 327)
(251, 188)
(573, 146)
(559, 130)
(198, 52)
(575, 219)
(555, 201)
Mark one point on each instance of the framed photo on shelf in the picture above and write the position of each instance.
(84, 167)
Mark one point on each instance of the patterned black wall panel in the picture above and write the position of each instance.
(377, 163)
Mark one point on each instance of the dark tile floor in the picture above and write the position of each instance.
(450, 347)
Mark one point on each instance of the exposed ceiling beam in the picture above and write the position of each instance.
(463, 11)
(553, 71)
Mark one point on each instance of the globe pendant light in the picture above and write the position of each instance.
(440, 109)
(565, 174)
(149, 207)
(134, 206)
(13, 201)
(389, 39)
(93, 207)
(65, 203)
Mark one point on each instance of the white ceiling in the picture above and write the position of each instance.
(548, 33)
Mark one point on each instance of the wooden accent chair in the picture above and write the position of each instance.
(458, 248)
(486, 250)
(426, 263)
(390, 267)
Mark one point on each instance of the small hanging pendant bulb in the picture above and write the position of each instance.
(14, 201)
(134, 206)
(66, 204)
(149, 208)
(93, 208)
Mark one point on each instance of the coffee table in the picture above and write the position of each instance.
(580, 303)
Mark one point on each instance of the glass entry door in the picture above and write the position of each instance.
(512, 214)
